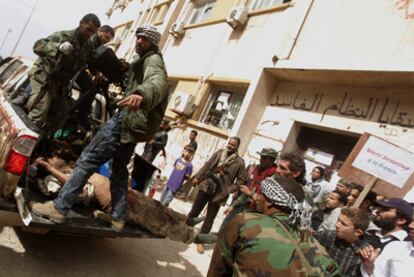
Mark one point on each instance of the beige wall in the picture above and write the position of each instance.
(355, 34)
(384, 112)
(219, 50)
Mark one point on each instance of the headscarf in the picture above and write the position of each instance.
(150, 32)
(277, 195)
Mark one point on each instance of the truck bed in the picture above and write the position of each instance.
(79, 221)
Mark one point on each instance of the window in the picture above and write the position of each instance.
(201, 11)
(261, 4)
(222, 107)
(154, 15)
(158, 13)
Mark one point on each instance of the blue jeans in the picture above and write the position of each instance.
(167, 196)
(105, 145)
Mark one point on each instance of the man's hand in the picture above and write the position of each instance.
(245, 190)
(133, 102)
(66, 48)
(41, 162)
(228, 210)
(368, 255)
(195, 181)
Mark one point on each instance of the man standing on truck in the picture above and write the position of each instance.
(61, 55)
(144, 107)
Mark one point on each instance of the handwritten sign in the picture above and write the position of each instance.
(385, 161)
(373, 158)
(373, 104)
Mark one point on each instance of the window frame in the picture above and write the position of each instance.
(233, 94)
(203, 8)
(256, 5)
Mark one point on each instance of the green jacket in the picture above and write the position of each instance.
(51, 65)
(147, 76)
(254, 244)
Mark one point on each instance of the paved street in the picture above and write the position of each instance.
(23, 254)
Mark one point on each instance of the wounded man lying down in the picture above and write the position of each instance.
(142, 210)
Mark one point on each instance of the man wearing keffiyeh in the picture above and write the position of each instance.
(270, 242)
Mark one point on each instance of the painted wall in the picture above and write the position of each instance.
(224, 52)
(384, 112)
(356, 34)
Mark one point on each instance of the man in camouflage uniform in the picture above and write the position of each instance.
(61, 55)
(270, 243)
(138, 119)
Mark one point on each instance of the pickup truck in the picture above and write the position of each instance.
(19, 139)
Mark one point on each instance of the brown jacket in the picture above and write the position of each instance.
(234, 176)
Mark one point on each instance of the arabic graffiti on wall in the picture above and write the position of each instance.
(393, 108)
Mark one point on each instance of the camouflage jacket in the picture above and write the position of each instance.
(147, 76)
(51, 65)
(254, 244)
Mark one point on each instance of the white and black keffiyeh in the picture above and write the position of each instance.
(278, 196)
(150, 32)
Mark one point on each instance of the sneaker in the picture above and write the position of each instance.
(116, 225)
(200, 248)
(206, 238)
(192, 221)
(47, 210)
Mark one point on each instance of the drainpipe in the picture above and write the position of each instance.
(294, 38)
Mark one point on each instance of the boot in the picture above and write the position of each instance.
(47, 210)
(200, 248)
(116, 225)
(192, 221)
(205, 238)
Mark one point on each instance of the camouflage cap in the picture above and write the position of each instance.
(268, 152)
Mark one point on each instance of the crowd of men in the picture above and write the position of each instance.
(278, 224)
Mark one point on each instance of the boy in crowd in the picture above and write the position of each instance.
(345, 243)
(344, 186)
(192, 137)
(324, 220)
(317, 188)
(182, 171)
(157, 144)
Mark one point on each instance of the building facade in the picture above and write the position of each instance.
(305, 76)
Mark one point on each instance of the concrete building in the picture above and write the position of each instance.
(306, 76)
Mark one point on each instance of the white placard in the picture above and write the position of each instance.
(385, 161)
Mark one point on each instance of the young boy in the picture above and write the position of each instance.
(345, 243)
(182, 171)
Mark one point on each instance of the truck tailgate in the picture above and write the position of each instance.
(80, 222)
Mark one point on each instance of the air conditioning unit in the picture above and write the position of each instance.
(183, 103)
(177, 29)
(237, 17)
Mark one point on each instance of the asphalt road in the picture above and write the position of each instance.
(25, 254)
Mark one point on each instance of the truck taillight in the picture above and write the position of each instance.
(19, 154)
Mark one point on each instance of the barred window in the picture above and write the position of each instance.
(222, 107)
(261, 4)
(201, 11)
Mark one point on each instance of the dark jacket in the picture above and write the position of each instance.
(234, 176)
(147, 77)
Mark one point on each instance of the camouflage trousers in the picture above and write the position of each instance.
(158, 219)
(49, 106)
